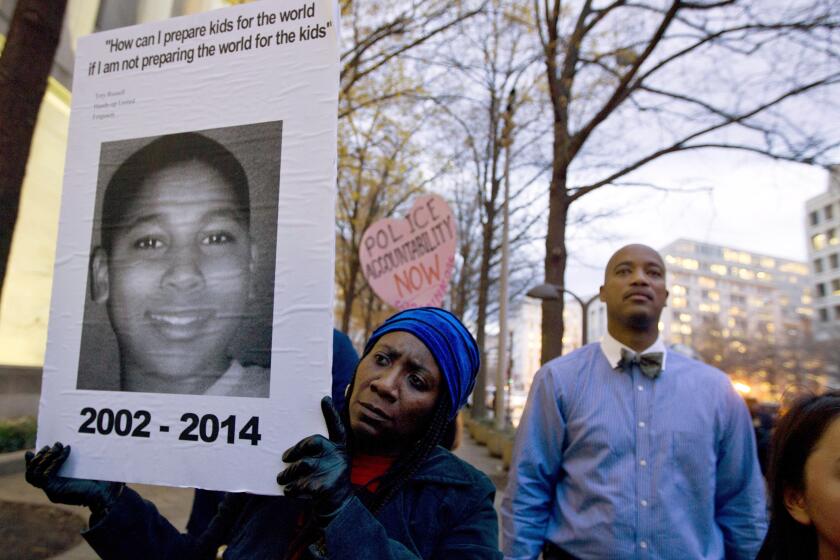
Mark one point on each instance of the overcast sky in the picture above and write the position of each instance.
(740, 200)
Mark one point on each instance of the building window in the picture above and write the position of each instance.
(815, 218)
(691, 264)
(737, 299)
(835, 286)
(742, 273)
(837, 312)
(685, 262)
(737, 256)
(767, 262)
(833, 261)
(818, 266)
(823, 315)
(818, 241)
(820, 290)
(679, 290)
(832, 237)
(795, 267)
(706, 282)
(829, 212)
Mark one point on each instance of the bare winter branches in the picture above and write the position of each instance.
(632, 82)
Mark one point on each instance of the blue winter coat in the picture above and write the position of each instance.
(444, 512)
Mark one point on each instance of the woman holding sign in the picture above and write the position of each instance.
(383, 489)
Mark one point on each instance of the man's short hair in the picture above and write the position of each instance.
(160, 154)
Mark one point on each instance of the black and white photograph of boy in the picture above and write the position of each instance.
(181, 277)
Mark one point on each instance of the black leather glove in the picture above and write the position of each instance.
(42, 472)
(320, 468)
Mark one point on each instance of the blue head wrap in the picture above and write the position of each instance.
(449, 341)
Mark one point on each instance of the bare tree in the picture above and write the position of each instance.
(24, 68)
(380, 34)
(378, 173)
(464, 282)
(789, 362)
(383, 113)
(631, 82)
(491, 110)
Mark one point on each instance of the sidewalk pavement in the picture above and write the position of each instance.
(480, 458)
(175, 503)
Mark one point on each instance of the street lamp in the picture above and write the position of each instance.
(553, 292)
(501, 368)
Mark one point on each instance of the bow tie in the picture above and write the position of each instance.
(650, 363)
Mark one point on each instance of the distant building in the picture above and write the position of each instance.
(747, 313)
(822, 223)
(597, 320)
(526, 338)
(741, 294)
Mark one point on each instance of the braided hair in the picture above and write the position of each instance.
(407, 465)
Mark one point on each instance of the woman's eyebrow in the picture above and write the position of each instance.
(387, 349)
(413, 364)
(416, 366)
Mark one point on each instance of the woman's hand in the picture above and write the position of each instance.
(320, 468)
(42, 472)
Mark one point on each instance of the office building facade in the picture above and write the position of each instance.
(822, 224)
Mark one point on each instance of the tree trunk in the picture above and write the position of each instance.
(372, 312)
(479, 408)
(555, 268)
(24, 68)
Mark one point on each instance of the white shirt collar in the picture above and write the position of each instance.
(612, 349)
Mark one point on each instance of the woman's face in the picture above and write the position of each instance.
(819, 504)
(394, 394)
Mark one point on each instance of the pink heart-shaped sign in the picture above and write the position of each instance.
(408, 262)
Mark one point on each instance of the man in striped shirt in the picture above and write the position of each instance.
(628, 451)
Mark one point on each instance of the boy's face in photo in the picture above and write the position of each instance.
(177, 278)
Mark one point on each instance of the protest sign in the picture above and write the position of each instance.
(408, 262)
(190, 332)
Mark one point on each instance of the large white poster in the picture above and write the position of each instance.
(190, 330)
